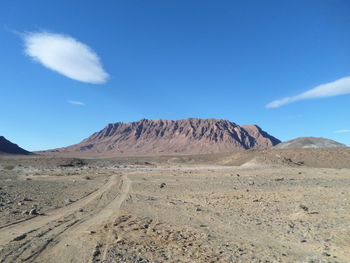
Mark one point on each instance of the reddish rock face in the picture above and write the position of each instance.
(7, 147)
(188, 136)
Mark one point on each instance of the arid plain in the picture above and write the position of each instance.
(253, 206)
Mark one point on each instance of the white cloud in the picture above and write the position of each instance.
(335, 88)
(65, 55)
(342, 131)
(75, 102)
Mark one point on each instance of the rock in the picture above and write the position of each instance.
(162, 185)
(19, 238)
(96, 253)
(305, 208)
(33, 212)
(279, 179)
(313, 213)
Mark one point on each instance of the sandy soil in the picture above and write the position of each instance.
(143, 211)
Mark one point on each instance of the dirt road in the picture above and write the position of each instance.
(70, 229)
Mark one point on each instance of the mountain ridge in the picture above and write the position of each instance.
(7, 147)
(185, 136)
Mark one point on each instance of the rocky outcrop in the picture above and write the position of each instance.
(188, 136)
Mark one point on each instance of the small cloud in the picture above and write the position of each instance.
(75, 102)
(66, 56)
(342, 131)
(335, 88)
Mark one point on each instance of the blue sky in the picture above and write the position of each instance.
(173, 59)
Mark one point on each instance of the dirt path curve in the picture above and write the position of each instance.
(75, 233)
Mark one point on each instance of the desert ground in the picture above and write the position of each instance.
(220, 208)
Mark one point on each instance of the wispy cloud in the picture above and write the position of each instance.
(335, 88)
(66, 56)
(75, 102)
(342, 131)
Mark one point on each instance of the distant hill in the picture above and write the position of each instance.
(309, 142)
(7, 147)
(164, 137)
(335, 157)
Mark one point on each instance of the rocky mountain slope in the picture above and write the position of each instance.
(7, 147)
(158, 137)
(309, 142)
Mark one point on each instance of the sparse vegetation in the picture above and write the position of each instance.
(8, 167)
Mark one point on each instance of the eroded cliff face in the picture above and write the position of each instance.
(187, 136)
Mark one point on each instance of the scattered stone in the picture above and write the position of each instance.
(305, 208)
(279, 179)
(162, 185)
(19, 238)
(81, 210)
(33, 212)
(326, 254)
(97, 252)
(313, 213)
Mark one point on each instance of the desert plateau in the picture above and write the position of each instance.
(250, 206)
(174, 131)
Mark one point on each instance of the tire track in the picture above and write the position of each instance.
(43, 234)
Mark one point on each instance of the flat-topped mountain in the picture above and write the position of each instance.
(7, 147)
(187, 136)
(309, 142)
